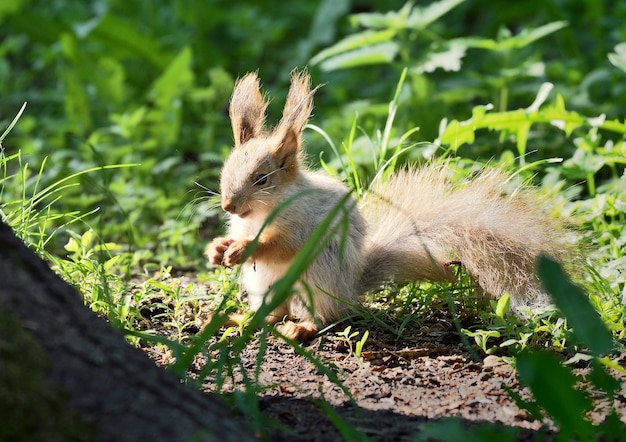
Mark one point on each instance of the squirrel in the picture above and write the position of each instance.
(416, 225)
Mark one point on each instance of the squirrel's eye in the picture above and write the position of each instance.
(260, 180)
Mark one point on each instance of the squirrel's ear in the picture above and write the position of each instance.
(247, 109)
(297, 110)
(298, 106)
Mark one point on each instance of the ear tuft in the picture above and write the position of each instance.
(299, 104)
(247, 109)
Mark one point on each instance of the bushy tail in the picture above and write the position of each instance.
(421, 224)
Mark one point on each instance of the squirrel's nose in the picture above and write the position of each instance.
(229, 205)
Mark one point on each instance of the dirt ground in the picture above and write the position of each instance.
(395, 390)
(393, 393)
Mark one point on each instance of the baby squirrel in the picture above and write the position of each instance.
(414, 226)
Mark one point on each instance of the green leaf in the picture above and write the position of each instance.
(354, 42)
(487, 44)
(407, 17)
(528, 36)
(558, 116)
(109, 79)
(358, 349)
(502, 307)
(541, 97)
(456, 133)
(110, 263)
(166, 91)
(381, 53)
(420, 18)
(323, 28)
(554, 388)
(521, 136)
(87, 239)
(603, 380)
(507, 42)
(121, 35)
(586, 324)
(160, 285)
(38, 27)
(618, 58)
(108, 247)
(72, 246)
(530, 406)
(175, 79)
(448, 59)
(391, 20)
(77, 102)
(582, 163)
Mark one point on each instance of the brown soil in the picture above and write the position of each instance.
(393, 393)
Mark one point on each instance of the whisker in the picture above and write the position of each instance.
(196, 206)
(191, 205)
(275, 171)
(209, 200)
(205, 198)
(266, 191)
(202, 186)
(206, 189)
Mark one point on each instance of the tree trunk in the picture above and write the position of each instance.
(65, 374)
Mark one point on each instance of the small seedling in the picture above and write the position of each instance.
(354, 349)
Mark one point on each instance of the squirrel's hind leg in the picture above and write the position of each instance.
(298, 331)
(237, 319)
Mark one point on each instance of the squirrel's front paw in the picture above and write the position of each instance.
(235, 252)
(215, 250)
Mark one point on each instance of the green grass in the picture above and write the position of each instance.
(102, 182)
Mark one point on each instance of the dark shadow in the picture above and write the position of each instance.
(307, 421)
